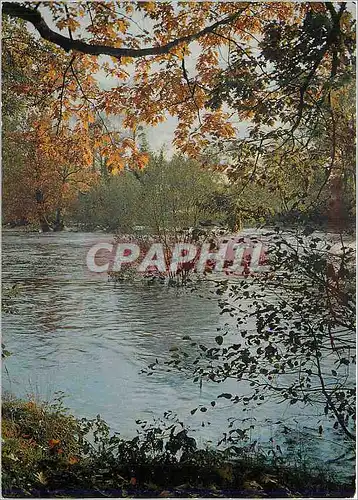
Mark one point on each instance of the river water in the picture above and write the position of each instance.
(78, 333)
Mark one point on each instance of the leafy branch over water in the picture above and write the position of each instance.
(301, 348)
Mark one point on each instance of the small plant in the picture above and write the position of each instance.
(47, 452)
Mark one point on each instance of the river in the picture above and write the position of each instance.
(76, 332)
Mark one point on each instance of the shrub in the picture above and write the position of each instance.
(47, 452)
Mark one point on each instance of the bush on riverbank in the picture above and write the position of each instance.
(47, 452)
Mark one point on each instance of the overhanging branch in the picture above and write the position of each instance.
(34, 17)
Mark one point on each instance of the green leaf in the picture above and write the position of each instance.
(219, 340)
(225, 395)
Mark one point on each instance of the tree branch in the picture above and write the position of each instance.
(35, 18)
(191, 89)
(332, 39)
(62, 92)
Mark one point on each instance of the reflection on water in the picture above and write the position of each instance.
(78, 333)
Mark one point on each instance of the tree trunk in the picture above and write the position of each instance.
(44, 225)
(58, 224)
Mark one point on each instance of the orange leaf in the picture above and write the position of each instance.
(53, 442)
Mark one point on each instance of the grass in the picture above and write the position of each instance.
(47, 452)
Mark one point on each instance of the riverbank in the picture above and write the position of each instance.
(47, 452)
(35, 228)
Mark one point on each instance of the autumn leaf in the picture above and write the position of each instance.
(53, 443)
